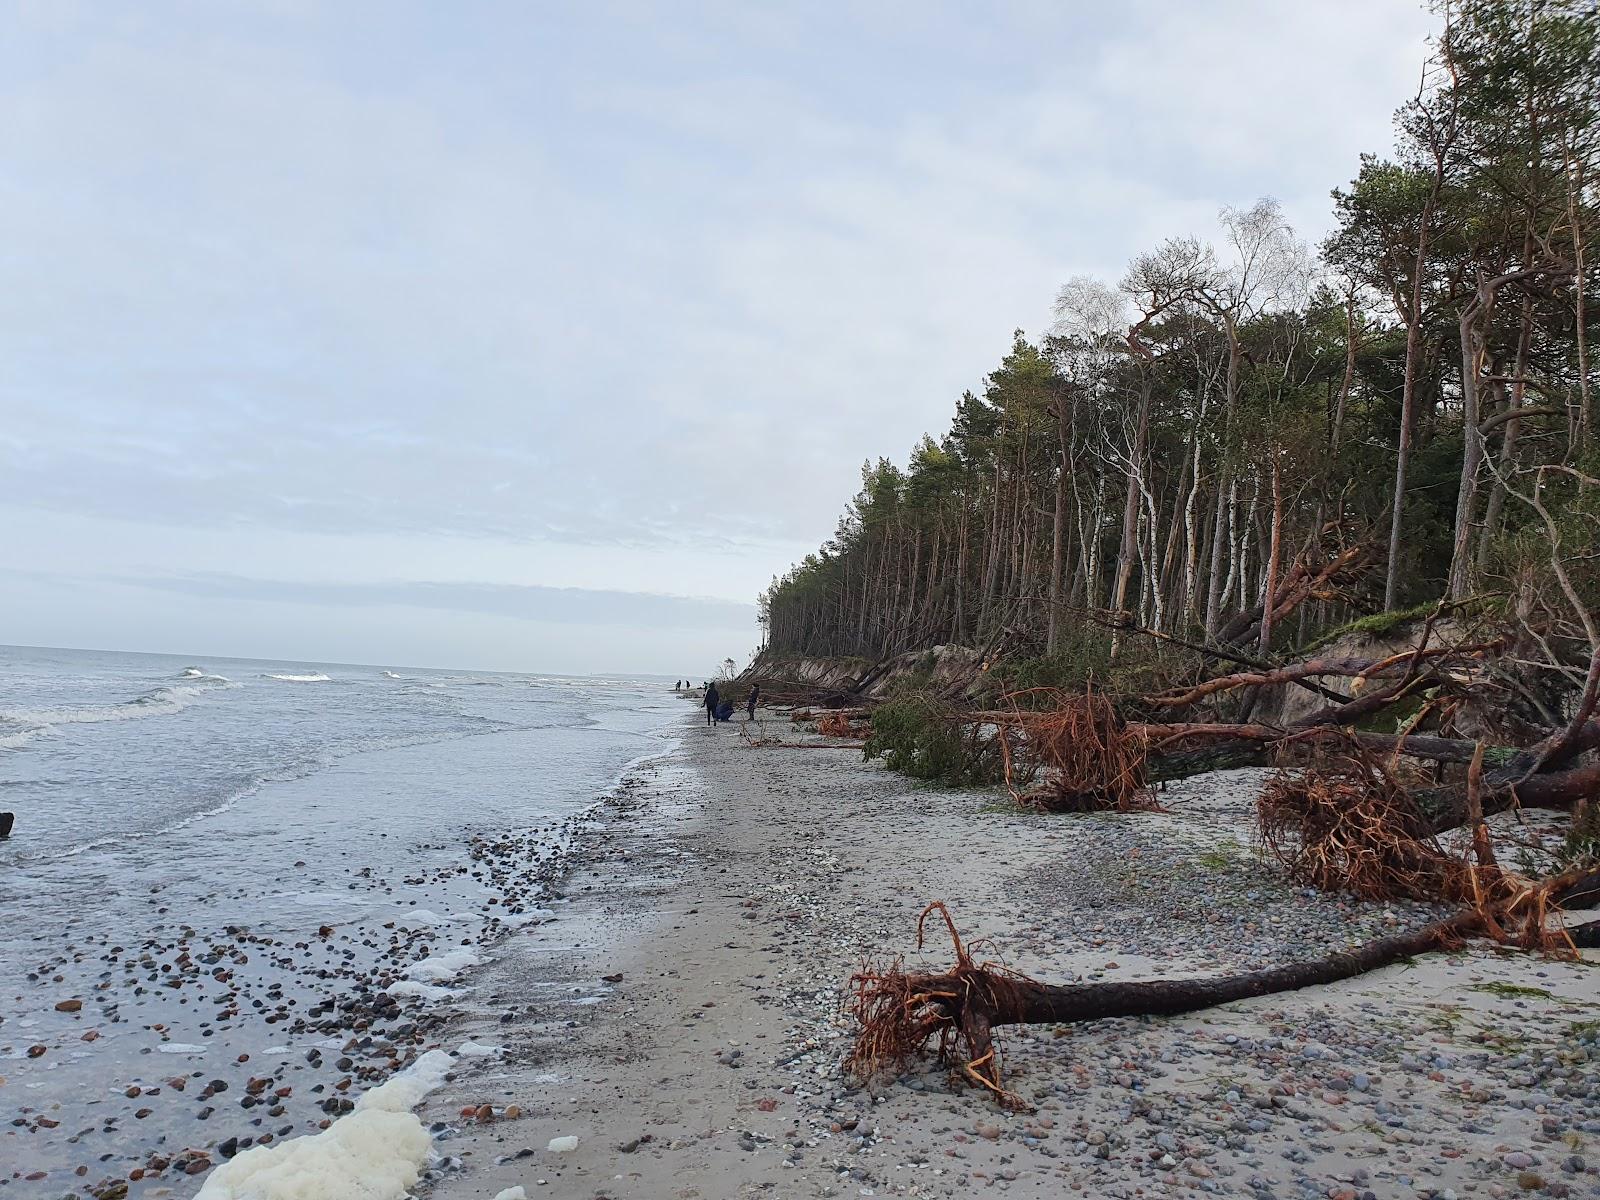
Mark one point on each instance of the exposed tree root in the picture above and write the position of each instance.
(839, 723)
(1346, 824)
(1349, 825)
(1085, 755)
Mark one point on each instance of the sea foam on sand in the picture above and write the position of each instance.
(375, 1153)
(443, 966)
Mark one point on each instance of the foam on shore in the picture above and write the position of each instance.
(420, 991)
(375, 1153)
(443, 966)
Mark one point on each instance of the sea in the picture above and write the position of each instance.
(217, 863)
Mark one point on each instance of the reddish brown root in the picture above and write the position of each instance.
(1085, 756)
(1348, 823)
(898, 1013)
(839, 724)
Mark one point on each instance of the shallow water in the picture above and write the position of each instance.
(229, 862)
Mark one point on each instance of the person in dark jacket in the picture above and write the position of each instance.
(713, 699)
(750, 701)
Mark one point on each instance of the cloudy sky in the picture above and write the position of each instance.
(542, 335)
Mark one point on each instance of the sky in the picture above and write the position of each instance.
(543, 336)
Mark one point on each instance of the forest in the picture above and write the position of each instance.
(1236, 449)
(1333, 509)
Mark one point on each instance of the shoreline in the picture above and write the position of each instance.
(680, 1017)
(181, 1018)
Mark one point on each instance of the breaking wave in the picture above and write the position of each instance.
(19, 726)
(315, 677)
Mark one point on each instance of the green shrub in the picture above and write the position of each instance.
(920, 735)
(1583, 835)
(1144, 666)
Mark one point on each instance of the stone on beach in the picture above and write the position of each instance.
(738, 914)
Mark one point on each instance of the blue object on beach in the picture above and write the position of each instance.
(724, 711)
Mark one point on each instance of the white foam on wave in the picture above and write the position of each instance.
(158, 702)
(375, 1153)
(314, 677)
(520, 920)
(324, 899)
(15, 741)
(424, 979)
(392, 675)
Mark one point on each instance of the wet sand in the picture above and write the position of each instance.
(680, 1017)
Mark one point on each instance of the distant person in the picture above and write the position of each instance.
(713, 700)
(750, 700)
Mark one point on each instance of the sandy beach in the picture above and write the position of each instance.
(679, 1012)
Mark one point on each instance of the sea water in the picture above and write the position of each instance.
(207, 851)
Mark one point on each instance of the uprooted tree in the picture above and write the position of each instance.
(899, 1012)
(1347, 823)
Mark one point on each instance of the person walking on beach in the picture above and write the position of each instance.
(713, 698)
(750, 701)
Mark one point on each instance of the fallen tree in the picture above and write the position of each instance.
(1079, 750)
(898, 1013)
(1180, 750)
(1359, 670)
(1303, 581)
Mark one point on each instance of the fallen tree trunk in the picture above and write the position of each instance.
(1265, 737)
(1446, 808)
(1506, 784)
(898, 1013)
(1221, 755)
(1300, 583)
(778, 692)
(1351, 668)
